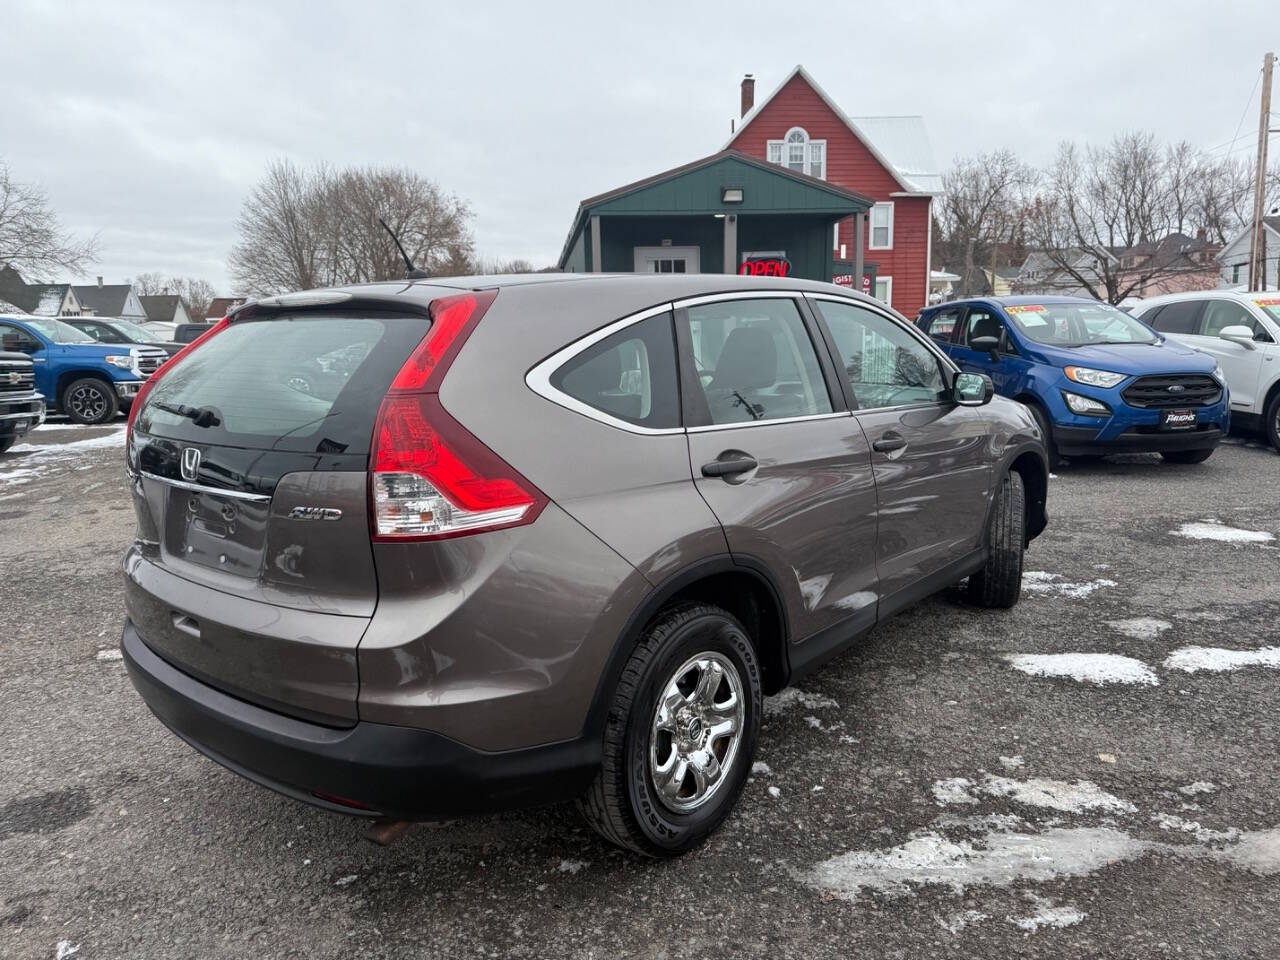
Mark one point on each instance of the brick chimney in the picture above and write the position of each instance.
(748, 94)
(99, 281)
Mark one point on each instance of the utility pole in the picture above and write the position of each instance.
(1257, 230)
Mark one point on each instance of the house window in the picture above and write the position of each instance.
(884, 290)
(881, 227)
(1235, 272)
(797, 152)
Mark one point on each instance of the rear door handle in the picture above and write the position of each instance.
(727, 466)
(889, 443)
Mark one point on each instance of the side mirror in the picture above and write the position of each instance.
(973, 389)
(1238, 334)
(991, 345)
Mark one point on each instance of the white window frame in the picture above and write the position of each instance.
(871, 226)
(888, 290)
(781, 149)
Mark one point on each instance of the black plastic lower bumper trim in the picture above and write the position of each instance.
(397, 772)
(1083, 441)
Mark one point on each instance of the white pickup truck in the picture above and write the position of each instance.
(1242, 332)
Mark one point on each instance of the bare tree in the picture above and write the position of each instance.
(301, 229)
(1184, 169)
(32, 239)
(194, 292)
(982, 209)
(1098, 205)
(150, 284)
(491, 266)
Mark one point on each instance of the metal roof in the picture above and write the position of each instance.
(904, 142)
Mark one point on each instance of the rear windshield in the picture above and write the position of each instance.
(306, 383)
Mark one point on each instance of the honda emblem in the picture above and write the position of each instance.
(190, 463)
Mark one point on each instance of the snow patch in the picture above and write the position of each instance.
(1217, 659)
(64, 949)
(111, 653)
(1258, 852)
(571, 866)
(1203, 834)
(1052, 584)
(1047, 915)
(1060, 795)
(785, 700)
(775, 792)
(1140, 628)
(999, 861)
(958, 921)
(1216, 530)
(1198, 787)
(1096, 668)
(115, 438)
(760, 768)
(1011, 763)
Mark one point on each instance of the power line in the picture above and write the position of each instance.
(1256, 81)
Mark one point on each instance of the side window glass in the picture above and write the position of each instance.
(885, 364)
(16, 340)
(96, 331)
(1226, 313)
(630, 375)
(982, 323)
(942, 325)
(1180, 317)
(754, 361)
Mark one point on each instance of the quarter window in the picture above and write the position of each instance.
(942, 325)
(753, 360)
(630, 375)
(886, 365)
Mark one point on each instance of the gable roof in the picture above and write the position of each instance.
(905, 151)
(1272, 223)
(220, 306)
(107, 300)
(161, 306)
(810, 194)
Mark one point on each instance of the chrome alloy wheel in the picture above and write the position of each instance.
(697, 728)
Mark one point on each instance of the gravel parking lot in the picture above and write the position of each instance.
(1092, 774)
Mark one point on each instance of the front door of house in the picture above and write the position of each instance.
(667, 260)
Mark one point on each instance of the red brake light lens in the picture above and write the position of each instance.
(431, 478)
(165, 367)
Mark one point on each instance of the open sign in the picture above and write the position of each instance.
(765, 267)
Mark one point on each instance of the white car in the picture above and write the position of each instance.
(1242, 332)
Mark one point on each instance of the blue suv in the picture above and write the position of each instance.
(1097, 380)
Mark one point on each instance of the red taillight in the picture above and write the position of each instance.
(430, 478)
(165, 367)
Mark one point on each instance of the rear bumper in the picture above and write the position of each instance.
(1083, 441)
(393, 771)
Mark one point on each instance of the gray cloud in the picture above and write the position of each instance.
(149, 122)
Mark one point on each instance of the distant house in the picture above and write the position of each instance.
(219, 307)
(1233, 261)
(166, 308)
(1041, 273)
(1176, 263)
(111, 300)
(38, 299)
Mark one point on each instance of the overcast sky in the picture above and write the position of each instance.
(149, 122)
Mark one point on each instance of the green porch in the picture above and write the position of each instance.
(726, 213)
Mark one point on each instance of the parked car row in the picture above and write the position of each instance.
(1102, 381)
(426, 549)
(78, 376)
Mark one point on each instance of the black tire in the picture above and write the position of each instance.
(623, 805)
(89, 400)
(1187, 456)
(999, 582)
(1046, 431)
(6, 443)
(1273, 421)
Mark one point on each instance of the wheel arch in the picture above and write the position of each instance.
(1035, 484)
(741, 585)
(68, 377)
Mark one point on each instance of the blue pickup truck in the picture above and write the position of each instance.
(88, 381)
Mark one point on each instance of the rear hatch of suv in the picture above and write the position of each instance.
(253, 569)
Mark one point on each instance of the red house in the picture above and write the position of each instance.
(888, 159)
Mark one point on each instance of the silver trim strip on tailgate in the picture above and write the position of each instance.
(200, 488)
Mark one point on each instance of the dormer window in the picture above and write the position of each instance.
(797, 152)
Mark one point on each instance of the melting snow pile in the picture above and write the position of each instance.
(1217, 659)
(1096, 668)
(1216, 530)
(1052, 584)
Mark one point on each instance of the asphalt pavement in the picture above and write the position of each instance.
(1092, 774)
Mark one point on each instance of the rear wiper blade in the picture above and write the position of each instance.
(200, 416)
